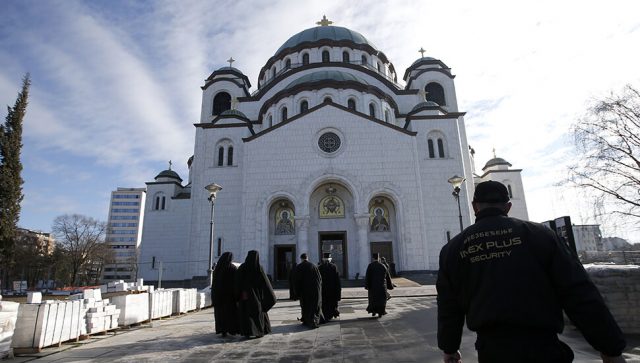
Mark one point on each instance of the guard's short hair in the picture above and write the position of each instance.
(326, 255)
(303, 256)
(491, 192)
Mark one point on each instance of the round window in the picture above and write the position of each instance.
(329, 142)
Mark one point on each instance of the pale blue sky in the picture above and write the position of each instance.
(116, 84)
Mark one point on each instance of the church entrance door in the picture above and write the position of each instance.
(285, 257)
(336, 243)
(384, 249)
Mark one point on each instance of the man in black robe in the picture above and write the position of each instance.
(376, 282)
(255, 297)
(308, 285)
(331, 287)
(225, 305)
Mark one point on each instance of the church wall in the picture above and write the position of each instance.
(372, 154)
(165, 235)
(441, 209)
(227, 213)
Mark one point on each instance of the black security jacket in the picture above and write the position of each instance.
(505, 274)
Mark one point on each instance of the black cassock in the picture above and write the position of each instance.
(377, 281)
(308, 284)
(331, 290)
(255, 297)
(225, 307)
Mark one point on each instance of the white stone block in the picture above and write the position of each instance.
(134, 308)
(34, 297)
(8, 318)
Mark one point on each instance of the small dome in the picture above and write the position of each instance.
(326, 76)
(233, 113)
(495, 162)
(230, 69)
(168, 174)
(422, 59)
(424, 105)
(315, 34)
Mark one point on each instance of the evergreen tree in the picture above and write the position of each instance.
(10, 178)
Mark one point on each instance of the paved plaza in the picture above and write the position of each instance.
(406, 334)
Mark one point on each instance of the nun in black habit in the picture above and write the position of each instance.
(376, 282)
(308, 285)
(331, 287)
(255, 297)
(225, 307)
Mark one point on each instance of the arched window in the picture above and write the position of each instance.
(230, 155)
(432, 153)
(378, 67)
(435, 93)
(510, 191)
(220, 156)
(364, 60)
(325, 56)
(221, 102)
(283, 114)
(327, 100)
(351, 104)
(304, 106)
(273, 72)
(440, 148)
(270, 120)
(305, 59)
(386, 115)
(159, 202)
(287, 63)
(345, 57)
(372, 110)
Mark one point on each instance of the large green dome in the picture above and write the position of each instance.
(315, 34)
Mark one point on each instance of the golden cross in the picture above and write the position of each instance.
(421, 51)
(231, 60)
(170, 164)
(234, 103)
(324, 21)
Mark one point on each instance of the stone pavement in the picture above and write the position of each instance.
(406, 334)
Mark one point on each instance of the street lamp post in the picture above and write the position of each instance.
(456, 181)
(213, 190)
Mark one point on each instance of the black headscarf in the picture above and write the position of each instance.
(252, 271)
(223, 262)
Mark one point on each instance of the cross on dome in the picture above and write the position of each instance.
(170, 164)
(234, 103)
(231, 60)
(324, 21)
(421, 51)
(494, 153)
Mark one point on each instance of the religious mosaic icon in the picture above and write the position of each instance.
(284, 221)
(331, 206)
(379, 218)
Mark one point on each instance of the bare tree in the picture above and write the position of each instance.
(607, 139)
(81, 240)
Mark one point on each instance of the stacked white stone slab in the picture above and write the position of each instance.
(160, 303)
(48, 323)
(8, 317)
(120, 285)
(184, 300)
(204, 300)
(100, 314)
(134, 308)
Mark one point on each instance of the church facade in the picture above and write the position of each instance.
(329, 154)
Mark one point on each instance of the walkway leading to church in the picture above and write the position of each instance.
(406, 334)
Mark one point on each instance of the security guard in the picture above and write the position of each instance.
(511, 280)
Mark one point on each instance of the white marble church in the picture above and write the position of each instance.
(329, 154)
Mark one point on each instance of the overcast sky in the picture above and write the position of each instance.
(116, 84)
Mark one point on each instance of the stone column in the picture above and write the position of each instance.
(302, 236)
(364, 251)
